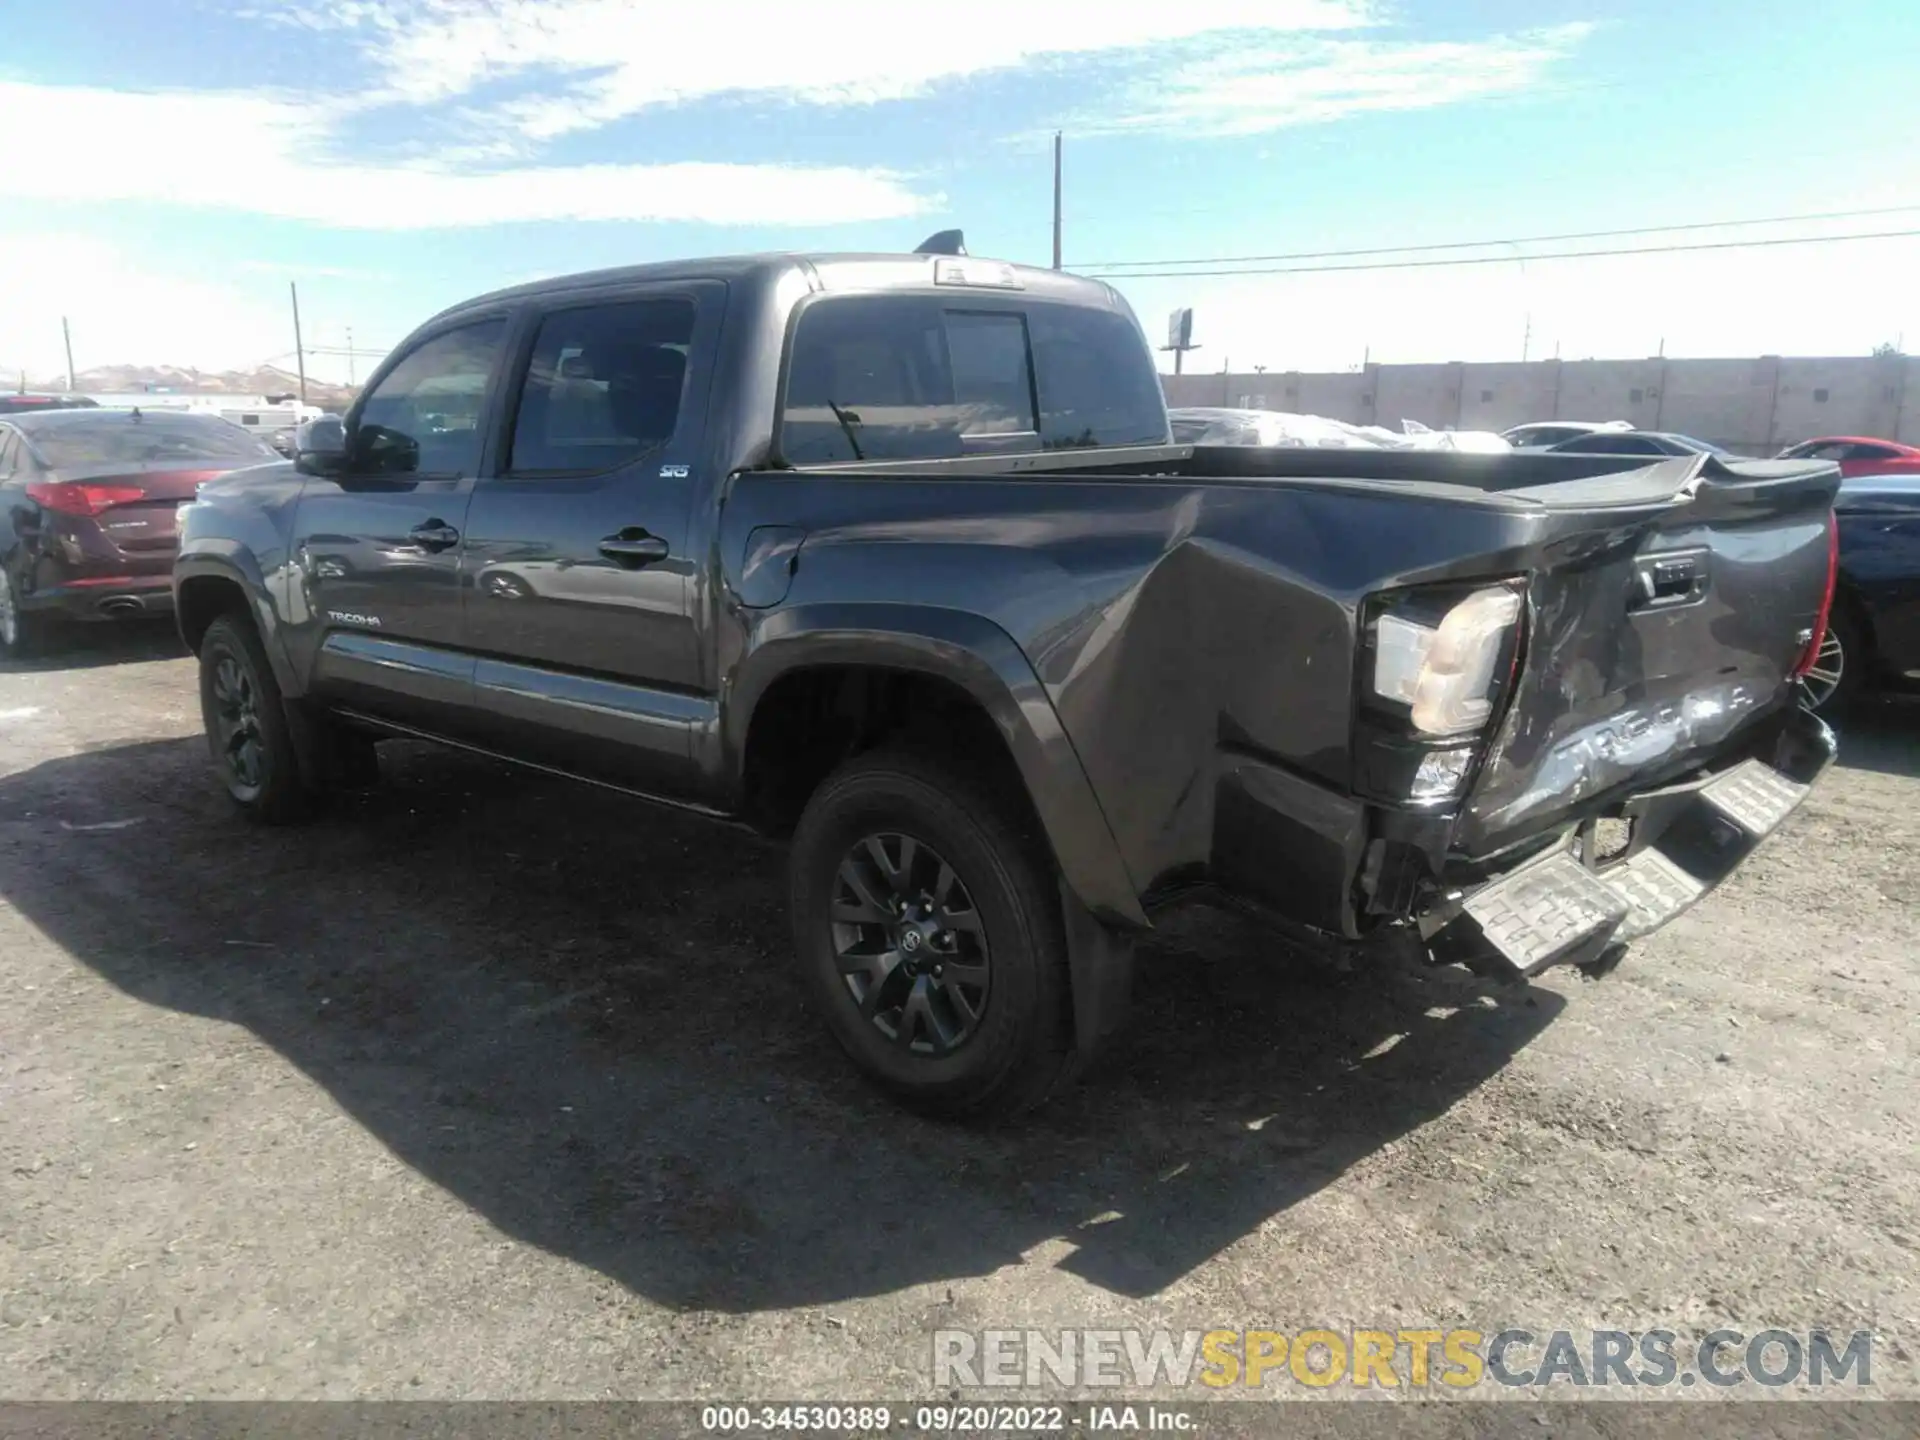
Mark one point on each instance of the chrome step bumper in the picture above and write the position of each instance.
(1559, 910)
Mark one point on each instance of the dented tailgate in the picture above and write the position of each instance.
(1649, 651)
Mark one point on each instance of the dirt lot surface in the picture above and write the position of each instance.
(491, 1086)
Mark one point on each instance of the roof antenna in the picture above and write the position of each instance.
(947, 242)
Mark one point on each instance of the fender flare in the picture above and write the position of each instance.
(982, 659)
(234, 563)
(1100, 906)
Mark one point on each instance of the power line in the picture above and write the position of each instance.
(1508, 259)
(1518, 240)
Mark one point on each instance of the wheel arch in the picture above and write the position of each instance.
(208, 585)
(969, 657)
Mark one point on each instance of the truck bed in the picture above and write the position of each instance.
(1217, 598)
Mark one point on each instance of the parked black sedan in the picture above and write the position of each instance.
(1873, 637)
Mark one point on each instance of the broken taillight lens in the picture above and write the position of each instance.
(1439, 663)
(1812, 653)
(1444, 669)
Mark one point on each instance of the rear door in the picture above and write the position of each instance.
(581, 560)
(377, 544)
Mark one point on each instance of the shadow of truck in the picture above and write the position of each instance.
(575, 1013)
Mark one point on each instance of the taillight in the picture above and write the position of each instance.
(1812, 654)
(1436, 667)
(74, 497)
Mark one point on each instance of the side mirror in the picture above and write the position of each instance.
(320, 446)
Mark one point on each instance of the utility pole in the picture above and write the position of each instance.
(350, 357)
(299, 349)
(66, 334)
(1526, 339)
(1056, 199)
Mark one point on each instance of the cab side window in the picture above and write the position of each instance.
(423, 418)
(604, 387)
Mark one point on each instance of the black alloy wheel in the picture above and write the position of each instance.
(249, 732)
(927, 924)
(911, 947)
(236, 736)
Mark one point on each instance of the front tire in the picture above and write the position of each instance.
(248, 732)
(927, 926)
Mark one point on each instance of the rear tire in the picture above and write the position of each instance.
(990, 1047)
(248, 729)
(22, 633)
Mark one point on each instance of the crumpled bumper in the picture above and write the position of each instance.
(1569, 906)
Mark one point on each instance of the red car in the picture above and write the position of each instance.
(1859, 455)
(87, 501)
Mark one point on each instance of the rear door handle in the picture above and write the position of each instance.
(634, 547)
(434, 535)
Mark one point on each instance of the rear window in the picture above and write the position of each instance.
(112, 438)
(904, 377)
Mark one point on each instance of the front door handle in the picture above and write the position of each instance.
(434, 535)
(634, 547)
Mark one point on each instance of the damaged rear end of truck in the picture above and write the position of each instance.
(1562, 743)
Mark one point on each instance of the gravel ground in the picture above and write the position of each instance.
(488, 1086)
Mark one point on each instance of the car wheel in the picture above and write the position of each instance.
(1840, 669)
(928, 930)
(247, 725)
(22, 633)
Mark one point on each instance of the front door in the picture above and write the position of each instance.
(378, 545)
(580, 565)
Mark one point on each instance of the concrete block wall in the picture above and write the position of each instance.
(1756, 406)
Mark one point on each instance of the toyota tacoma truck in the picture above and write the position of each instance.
(893, 557)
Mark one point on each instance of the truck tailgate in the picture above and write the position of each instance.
(1654, 641)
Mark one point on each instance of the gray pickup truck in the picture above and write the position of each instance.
(892, 556)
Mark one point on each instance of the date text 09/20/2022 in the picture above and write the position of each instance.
(956, 1419)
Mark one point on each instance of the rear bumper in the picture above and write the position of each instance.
(1567, 906)
(1355, 878)
(124, 597)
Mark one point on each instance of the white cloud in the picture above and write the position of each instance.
(1247, 91)
(601, 60)
(262, 156)
(123, 313)
(499, 80)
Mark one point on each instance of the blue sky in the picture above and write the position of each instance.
(171, 164)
